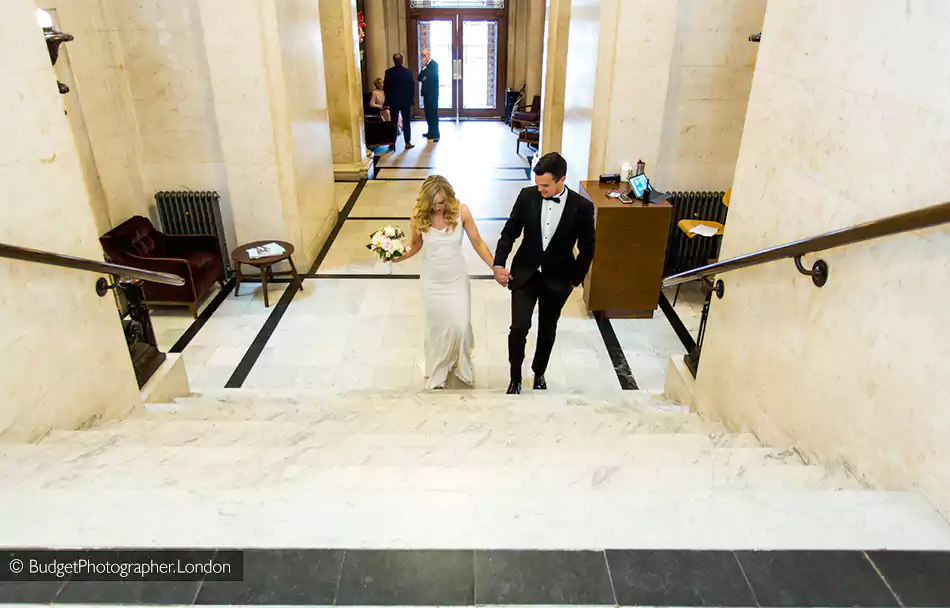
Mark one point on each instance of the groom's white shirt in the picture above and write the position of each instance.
(551, 217)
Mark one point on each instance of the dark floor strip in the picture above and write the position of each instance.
(275, 280)
(366, 218)
(206, 314)
(422, 179)
(617, 358)
(341, 219)
(340, 577)
(392, 218)
(253, 353)
(917, 578)
(403, 167)
(329, 275)
(677, 324)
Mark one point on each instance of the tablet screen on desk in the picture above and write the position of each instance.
(638, 185)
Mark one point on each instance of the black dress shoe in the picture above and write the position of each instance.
(514, 388)
(539, 383)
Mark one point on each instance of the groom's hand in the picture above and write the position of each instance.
(502, 276)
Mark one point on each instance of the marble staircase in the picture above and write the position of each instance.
(473, 469)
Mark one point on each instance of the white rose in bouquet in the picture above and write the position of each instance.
(387, 243)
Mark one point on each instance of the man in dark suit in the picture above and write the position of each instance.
(400, 92)
(429, 79)
(544, 270)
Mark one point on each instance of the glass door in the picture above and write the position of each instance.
(438, 36)
(469, 45)
(478, 67)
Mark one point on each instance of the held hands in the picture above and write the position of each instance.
(502, 276)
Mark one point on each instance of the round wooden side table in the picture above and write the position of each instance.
(240, 256)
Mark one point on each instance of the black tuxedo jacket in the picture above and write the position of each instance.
(429, 79)
(398, 87)
(561, 270)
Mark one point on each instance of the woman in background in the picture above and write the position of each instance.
(378, 100)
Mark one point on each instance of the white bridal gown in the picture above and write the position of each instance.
(447, 295)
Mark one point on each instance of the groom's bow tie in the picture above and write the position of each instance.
(554, 199)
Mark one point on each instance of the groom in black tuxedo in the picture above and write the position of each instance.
(544, 270)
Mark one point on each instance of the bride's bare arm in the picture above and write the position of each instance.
(481, 248)
(414, 248)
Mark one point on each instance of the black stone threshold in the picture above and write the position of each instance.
(484, 577)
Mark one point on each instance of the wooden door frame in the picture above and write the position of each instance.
(413, 16)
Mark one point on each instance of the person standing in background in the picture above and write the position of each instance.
(399, 92)
(429, 79)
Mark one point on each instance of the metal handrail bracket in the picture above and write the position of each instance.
(895, 224)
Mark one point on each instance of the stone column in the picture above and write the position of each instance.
(525, 45)
(537, 10)
(344, 88)
(65, 361)
(557, 24)
(274, 135)
(637, 41)
(377, 46)
(100, 104)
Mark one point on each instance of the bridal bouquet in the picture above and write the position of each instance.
(387, 243)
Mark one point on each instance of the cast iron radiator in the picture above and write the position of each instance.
(193, 212)
(684, 253)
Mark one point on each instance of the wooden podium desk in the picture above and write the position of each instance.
(629, 253)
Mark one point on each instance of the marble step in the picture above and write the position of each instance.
(485, 519)
(664, 450)
(376, 397)
(408, 415)
(236, 468)
(593, 480)
(421, 402)
(408, 433)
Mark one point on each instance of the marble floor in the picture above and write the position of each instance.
(358, 323)
(473, 146)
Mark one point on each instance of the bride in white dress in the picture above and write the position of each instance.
(437, 224)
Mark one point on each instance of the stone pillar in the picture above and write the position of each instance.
(274, 135)
(344, 88)
(101, 111)
(397, 32)
(525, 45)
(377, 46)
(557, 24)
(65, 361)
(633, 80)
(537, 9)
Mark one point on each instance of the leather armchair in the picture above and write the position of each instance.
(378, 132)
(196, 258)
(528, 117)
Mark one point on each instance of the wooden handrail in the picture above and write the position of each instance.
(64, 261)
(894, 224)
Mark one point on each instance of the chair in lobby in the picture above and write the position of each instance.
(196, 258)
(378, 132)
(527, 117)
(530, 136)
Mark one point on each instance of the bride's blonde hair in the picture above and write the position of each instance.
(427, 193)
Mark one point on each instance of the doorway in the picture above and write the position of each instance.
(469, 42)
